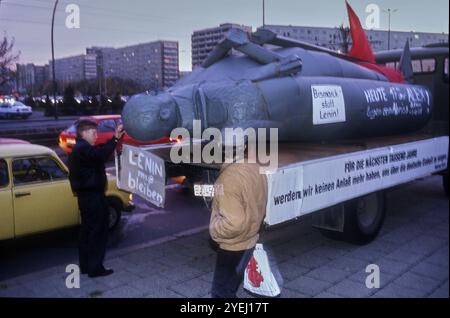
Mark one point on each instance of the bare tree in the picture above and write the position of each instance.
(344, 33)
(7, 59)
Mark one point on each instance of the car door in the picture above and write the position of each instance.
(42, 196)
(6, 205)
(4, 110)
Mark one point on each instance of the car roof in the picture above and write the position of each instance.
(4, 141)
(20, 150)
(421, 52)
(101, 117)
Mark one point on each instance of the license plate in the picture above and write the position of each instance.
(207, 190)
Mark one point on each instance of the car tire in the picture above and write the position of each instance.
(363, 219)
(115, 214)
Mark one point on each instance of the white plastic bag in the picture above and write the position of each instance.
(258, 277)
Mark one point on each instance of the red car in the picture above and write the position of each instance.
(106, 126)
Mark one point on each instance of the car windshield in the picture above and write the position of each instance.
(106, 125)
(72, 129)
(18, 104)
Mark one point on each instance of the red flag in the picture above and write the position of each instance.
(361, 48)
(391, 74)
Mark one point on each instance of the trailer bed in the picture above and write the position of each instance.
(310, 176)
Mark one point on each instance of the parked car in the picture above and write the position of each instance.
(15, 110)
(106, 127)
(35, 193)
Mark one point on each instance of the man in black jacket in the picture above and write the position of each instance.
(88, 180)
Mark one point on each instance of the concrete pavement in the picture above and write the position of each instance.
(411, 252)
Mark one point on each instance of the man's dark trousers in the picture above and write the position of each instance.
(93, 232)
(229, 272)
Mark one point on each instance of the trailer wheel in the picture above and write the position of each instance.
(363, 219)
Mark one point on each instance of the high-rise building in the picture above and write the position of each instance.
(25, 76)
(151, 65)
(98, 52)
(75, 68)
(30, 77)
(204, 41)
(333, 38)
(185, 73)
(41, 74)
(170, 64)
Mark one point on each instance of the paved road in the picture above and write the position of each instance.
(411, 251)
(183, 212)
(146, 223)
(37, 120)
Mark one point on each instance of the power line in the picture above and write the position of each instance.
(62, 11)
(84, 27)
(112, 13)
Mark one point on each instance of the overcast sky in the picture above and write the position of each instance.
(118, 23)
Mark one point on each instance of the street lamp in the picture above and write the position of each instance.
(389, 11)
(53, 62)
(263, 13)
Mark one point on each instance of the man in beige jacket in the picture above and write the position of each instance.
(237, 214)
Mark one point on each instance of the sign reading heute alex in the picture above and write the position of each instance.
(143, 173)
(332, 180)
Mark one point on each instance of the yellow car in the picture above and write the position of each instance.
(35, 193)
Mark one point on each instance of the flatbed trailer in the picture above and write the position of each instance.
(343, 180)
